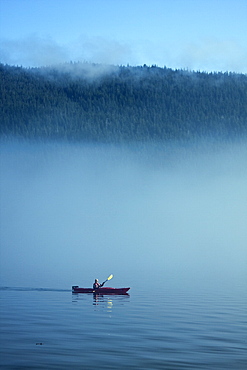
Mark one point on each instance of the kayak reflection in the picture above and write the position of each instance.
(107, 302)
(98, 299)
(100, 302)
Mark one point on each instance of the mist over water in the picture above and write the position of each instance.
(155, 214)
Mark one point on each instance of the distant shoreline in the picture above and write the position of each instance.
(84, 102)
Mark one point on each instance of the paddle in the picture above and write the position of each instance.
(109, 278)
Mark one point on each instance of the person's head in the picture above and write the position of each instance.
(96, 280)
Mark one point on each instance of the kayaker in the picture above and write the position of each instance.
(96, 284)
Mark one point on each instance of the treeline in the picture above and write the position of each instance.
(80, 101)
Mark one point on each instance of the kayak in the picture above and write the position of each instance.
(102, 290)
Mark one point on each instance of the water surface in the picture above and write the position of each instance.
(147, 329)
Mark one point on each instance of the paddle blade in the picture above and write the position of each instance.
(110, 277)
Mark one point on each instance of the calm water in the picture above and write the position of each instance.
(163, 329)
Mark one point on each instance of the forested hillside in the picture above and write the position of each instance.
(123, 103)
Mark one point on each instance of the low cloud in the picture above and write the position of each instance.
(32, 51)
(178, 213)
(100, 50)
(205, 55)
(214, 55)
(35, 51)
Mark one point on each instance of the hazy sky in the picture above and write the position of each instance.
(195, 34)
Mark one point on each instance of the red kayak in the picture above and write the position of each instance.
(102, 290)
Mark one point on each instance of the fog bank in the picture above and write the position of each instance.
(70, 213)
